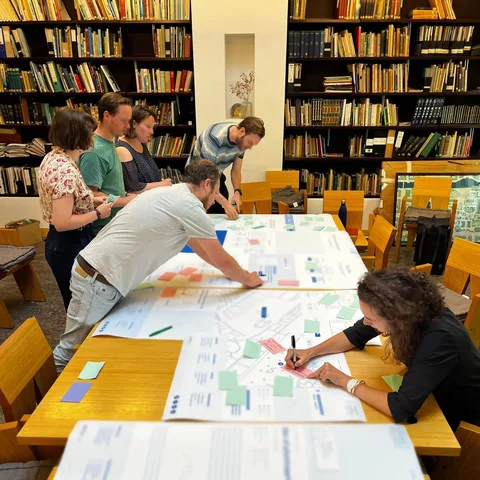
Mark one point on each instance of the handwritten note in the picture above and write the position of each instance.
(272, 346)
(299, 372)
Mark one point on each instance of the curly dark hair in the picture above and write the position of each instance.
(408, 301)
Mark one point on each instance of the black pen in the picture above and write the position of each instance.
(294, 358)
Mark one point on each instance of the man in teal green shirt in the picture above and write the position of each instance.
(101, 167)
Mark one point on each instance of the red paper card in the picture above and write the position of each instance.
(167, 276)
(187, 271)
(168, 292)
(196, 277)
(288, 283)
(253, 241)
(299, 372)
(272, 346)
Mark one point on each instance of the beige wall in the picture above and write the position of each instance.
(267, 20)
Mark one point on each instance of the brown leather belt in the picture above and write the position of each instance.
(89, 270)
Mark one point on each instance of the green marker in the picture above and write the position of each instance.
(158, 332)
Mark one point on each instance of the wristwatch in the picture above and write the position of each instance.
(238, 190)
(99, 215)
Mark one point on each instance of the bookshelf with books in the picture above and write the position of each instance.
(69, 52)
(372, 81)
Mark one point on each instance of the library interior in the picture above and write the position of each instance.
(259, 218)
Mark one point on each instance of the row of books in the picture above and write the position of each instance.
(390, 42)
(444, 9)
(13, 43)
(156, 10)
(18, 180)
(305, 145)
(71, 42)
(165, 113)
(444, 40)
(317, 183)
(155, 80)
(297, 9)
(170, 146)
(337, 84)
(16, 80)
(376, 78)
(467, 114)
(18, 150)
(323, 112)
(437, 144)
(39, 10)
(98, 9)
(172, 42)
(447, 77)
(172, 173)
(29, 113)
(368, 9)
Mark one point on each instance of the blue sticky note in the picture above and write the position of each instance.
(221, 234)
(76, 392)
(264, 312)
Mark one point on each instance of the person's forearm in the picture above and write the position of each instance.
(201, 252)
(221, 200)
(337, 344)
(376, 398)
(232, 269)
(75, 221)
(236, 177)
(122, 201)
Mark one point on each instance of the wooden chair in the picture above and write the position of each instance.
(279, 179)
(436, 190)
(258, 195)
(24, 275)
(27, 371)
(466, 466)
(380, 242)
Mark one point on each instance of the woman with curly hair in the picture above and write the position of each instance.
(423, 334)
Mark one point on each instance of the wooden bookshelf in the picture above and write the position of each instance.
(321, 15)
(137, 38)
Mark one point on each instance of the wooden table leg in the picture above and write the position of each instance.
(29, 284)
(5, 318)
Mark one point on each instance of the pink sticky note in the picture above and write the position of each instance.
(167, 276)
(272, 346)
(196, 277)
(299, 372)
(187, 271)
(253, 241)
(288, 283)
(168, 292)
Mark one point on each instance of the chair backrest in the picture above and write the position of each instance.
(434, 189)
(258, 194)
(282, 178)
(466, 465)
(354, 200)
(10, 450)
(463, 267)
(380, 240)
(10, 236)
(27, 370)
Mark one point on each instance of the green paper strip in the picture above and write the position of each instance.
(283, 387)
(252, 349)
(311, 326)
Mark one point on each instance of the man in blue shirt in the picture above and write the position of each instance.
(225, 144)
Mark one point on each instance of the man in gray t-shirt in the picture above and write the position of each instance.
(148, 232)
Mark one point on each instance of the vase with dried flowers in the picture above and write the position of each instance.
(242, 89)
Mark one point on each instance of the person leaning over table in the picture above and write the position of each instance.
(424, 335)
(67, 204)
(225, 144)
(140, 172)
(144, 235)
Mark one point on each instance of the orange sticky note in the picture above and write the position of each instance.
(288, 283)
(167, 276)
(168, 292)
(187, 271)
(196, 277)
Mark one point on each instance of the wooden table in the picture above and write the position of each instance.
(361, 243)
(136, 378)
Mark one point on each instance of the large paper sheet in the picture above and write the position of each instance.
(302, 223)
(148, 451)
(195, 392)
(278, 270)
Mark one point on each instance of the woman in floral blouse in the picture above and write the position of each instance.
(67, 203)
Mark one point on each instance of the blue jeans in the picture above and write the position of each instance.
(91, 301)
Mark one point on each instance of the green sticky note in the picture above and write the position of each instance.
(319, 219)
(328, 299)
(394, 381)
(346, 313)
(331, 229)
(311, 326)
(309, 219)
(237, 396)
(91, 370)
(252, 349)
(283, 386)
(248, 218)
(233, 227)
(311, 266)
(249, 223)
(320, 229)
(305, 224)
(288, 226)
(217, 220)
(227, 380)
(355, 304)
(145, 285)
(258, 226)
